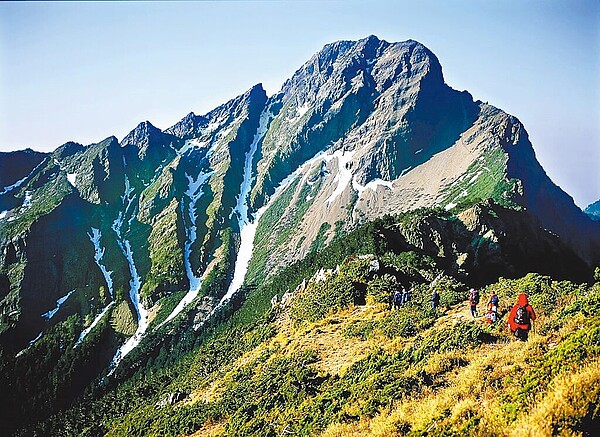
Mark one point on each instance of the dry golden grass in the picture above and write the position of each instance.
(469, 401)
(336, 352)
(566, 402)
(210, 430)
(470, 390)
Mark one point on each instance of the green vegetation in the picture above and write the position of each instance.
(264, 231)
(43, 201)
(321, 238)
(382, 287)
(336, 360)
(401, 371)
(166, 255)
(333, 292)
(216, 279)
(484, 179)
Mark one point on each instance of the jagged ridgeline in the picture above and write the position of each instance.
(119, 258)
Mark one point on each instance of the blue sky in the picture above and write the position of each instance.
(83, 71)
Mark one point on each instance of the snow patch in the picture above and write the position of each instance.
(141, 312)
(87, 330)
(244, 255)
(247, 229)
(21, 181)
(302, 109)
(344, 174)
(135, 282)
(32, 342)
(59, 303)
(194, 192)
(297, 116)
(71, 177)
(474, 178)
(371, 185)
(13, 186)
(98, 254)
(337, 105)
(406, 170)
(27, 200)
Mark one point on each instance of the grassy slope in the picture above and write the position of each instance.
(338, 362)
(364, 370)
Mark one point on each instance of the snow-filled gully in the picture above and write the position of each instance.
(20, 182)
(59, 303)
(121, 225)
(194, 193)
(95, 237)
(247, 227)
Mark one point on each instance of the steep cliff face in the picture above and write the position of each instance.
(385, 102)
(406, 141)
(593, 210)
(16, 166)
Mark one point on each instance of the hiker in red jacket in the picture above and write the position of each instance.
(520, 318)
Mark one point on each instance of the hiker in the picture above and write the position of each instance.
(435, 299)
(520, 318)
(473, 301)
(397, 299)
(406, 295)
(492, 314)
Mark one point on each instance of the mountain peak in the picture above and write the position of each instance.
(593, 210)
(142, 133)
(192, 124)
(146, 126)
(67, 149)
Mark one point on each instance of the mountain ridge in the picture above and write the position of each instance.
(166, 230)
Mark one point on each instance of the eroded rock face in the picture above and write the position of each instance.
(593, 210)
(370, 128)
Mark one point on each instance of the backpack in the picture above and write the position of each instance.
(522, 316)
(398, 298)
(491, 316)
(475, 297)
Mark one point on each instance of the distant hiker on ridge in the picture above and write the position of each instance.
(473, 301)
(435, 299)
(520, 318)
(492, 314)
(397, 298)
(407, 294)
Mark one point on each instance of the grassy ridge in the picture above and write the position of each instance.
(362, 369)
(336, 360)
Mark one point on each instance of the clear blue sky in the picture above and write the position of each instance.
(83, 71)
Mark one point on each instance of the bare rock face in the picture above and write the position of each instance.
(593, 210)
(369, 128)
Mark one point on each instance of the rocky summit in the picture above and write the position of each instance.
(118, 255)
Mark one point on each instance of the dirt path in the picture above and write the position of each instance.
(461, 313)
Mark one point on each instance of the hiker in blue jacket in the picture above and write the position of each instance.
(435, 299)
